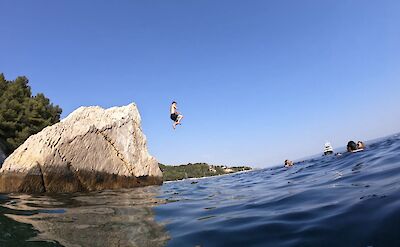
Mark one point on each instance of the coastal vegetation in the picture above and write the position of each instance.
(21, 113)
(197, 170)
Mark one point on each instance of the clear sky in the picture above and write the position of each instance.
(258, 81)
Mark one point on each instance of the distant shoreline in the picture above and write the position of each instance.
(198, 170)
(214, 176)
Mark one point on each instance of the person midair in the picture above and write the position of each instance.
(175, 115)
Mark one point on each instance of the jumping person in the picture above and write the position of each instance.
(175, 115)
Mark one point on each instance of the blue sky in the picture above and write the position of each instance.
(257, 81)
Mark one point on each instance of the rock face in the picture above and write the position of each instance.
(91, 149)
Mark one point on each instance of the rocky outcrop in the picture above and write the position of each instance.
(91, 149)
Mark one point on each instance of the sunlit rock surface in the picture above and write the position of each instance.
(91, 149)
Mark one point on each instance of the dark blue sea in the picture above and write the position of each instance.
(349, 200)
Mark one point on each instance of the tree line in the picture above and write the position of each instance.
(196, 170)
(21, 113)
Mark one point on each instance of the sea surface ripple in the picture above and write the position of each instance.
(348, 200)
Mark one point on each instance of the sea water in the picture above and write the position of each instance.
(347, 200)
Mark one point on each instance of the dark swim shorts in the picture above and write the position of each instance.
(174, 117)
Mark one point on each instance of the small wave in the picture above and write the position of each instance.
(351, 200)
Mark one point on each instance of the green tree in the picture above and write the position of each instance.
(196, 170)
(21, 114)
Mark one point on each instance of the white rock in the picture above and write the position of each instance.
(91, 149)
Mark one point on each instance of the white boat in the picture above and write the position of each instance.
(328, 148)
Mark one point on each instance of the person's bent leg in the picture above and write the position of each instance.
(180, 117)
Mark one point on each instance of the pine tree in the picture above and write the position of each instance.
(21, 114)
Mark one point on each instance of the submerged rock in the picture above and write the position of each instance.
(91, 149)
(117, 218)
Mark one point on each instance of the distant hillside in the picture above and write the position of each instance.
(197, 170)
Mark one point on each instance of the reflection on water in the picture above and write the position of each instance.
(108, 218)
(350, 200)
